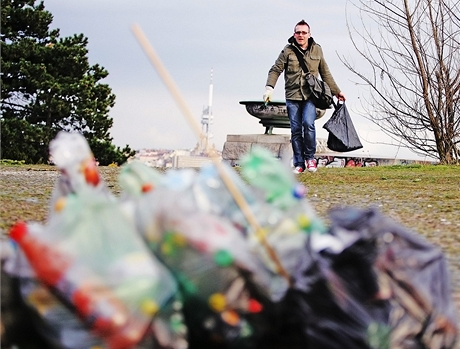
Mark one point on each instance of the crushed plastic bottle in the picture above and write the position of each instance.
(95, 303)
(279, 186)
(73, 157)
(136, 178)
(94, 258)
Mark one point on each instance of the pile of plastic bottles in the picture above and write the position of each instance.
(174, 262)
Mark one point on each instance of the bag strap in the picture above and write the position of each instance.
(305, 69)
(301, 60)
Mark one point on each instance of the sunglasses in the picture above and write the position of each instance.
(303, 33)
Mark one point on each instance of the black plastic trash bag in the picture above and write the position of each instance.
(342, 134)
(371, 283)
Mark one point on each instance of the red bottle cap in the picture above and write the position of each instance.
(254, 306)
(18, 231)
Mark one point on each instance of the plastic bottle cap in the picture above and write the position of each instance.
(218, 302)
(149, 307)
(254, 306)
(231, 317)
(299, 191)
(176, 322)
(60, 204)
(223, 258)
(91, 173)
(147, 187)
(18, 231)
(303, 221)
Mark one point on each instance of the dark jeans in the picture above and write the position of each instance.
(302, 116)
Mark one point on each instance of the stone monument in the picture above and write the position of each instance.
(271, 115)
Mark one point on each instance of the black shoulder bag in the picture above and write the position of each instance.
(321, 94)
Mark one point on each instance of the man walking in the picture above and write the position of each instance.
(300, 109)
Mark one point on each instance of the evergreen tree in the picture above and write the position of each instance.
(48, 85)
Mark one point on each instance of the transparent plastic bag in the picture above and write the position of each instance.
(136, 179)
(78, 169)
(210, 259)
(55, 322)
(92, 256)
(287, 234)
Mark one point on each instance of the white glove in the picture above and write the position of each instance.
(268, 93)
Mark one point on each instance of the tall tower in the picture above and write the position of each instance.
(206, 119)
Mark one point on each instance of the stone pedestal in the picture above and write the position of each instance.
(238, 145)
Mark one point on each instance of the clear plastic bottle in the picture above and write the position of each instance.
(96, 304)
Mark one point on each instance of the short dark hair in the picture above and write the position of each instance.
(302, 22)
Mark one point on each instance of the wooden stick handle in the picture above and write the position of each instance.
(236, 194)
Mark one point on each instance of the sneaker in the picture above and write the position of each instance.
(298, 170)
(311, 165)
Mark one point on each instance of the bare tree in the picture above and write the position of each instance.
(412, 48)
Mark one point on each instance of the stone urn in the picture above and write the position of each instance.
(272, 114)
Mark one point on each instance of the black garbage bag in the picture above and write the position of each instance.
(342, 133)
(370, 283)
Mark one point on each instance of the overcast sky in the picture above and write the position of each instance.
(238, 39)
